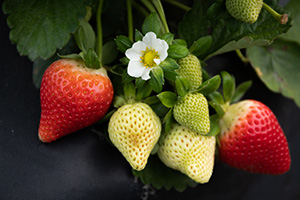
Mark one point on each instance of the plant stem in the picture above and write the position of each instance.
(241, 56)
(99, 30)
(148, 5)
(161, 14)
(283, 19)
(140, 8)
(178, 4)
(129, 19)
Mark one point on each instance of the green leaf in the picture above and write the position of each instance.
(157, 106)
(214, 125)
(210, 17)
(278, 67)
(216, 97)
(129, 90)
(177, 51)
(293, 7)
(143, 91)
(240, 91)
(180, 42)
(205, 75)
(168, 37)
(201, 45)
(217, 107)
(182, 86)
(151, 24)
(167, 98)
(39, 28)
(161, 176)
(124, 60)
(109, 52)
(228, 86)
(138, 36)
(123, 43)
(71, 56)
(126, 78)
(157, 79)
(168, 122)
(85, 36)
(91, 59)
(40, 65)
(210, 85)
(169, 67)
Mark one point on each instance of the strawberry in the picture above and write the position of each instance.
(72, 97)
(134, 129)
(192, 111)
(190, 68)
(184, 150)
(251, 139)
(244, 10)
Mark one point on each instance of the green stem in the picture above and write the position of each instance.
(161, 14)
(129, 19)
(241, 56)
(148, 5)
(99, 30)
(283, 19)
(178, 4)
(140, 8)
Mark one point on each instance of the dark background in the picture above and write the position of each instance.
(85, 166)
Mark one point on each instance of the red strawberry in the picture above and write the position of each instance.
(72, 97)
(251, 139)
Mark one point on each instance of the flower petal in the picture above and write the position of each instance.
(149, 39)
(163, 52)
(157, 61)
(146, 74)
(135, 68)
(135, 52)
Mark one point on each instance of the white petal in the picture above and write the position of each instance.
(149, 38)
(158, 45)
(135, 68)
(135, 52)
(163, 53)
(145, 76)
(157, 61)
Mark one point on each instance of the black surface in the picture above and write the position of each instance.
(85, 166)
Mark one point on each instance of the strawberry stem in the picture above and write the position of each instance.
(161, 13)
(282, 18)
(241, 56)
(178, 4)
(129, 19)
(99, 30)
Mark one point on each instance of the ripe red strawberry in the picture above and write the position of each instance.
(251, 139)
(72, 97)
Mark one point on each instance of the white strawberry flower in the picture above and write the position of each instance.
(146, 55)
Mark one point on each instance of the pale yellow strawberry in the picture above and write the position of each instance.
(190, 68)
(192, 154)
(134, 129)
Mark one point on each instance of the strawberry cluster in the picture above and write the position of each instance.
(167, 105)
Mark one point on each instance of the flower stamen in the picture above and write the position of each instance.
(148, 57)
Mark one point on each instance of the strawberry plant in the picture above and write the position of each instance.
(140, 70)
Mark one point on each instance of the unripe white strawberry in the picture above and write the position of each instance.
(134, 129)
(192, 154)
(192, 112)
(190, 68)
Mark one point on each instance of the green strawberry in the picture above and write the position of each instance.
(192, 111)
(134, 129)
(193, 154)
(244, 10)
(190, 68)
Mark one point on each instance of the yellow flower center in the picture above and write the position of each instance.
(148, 57)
